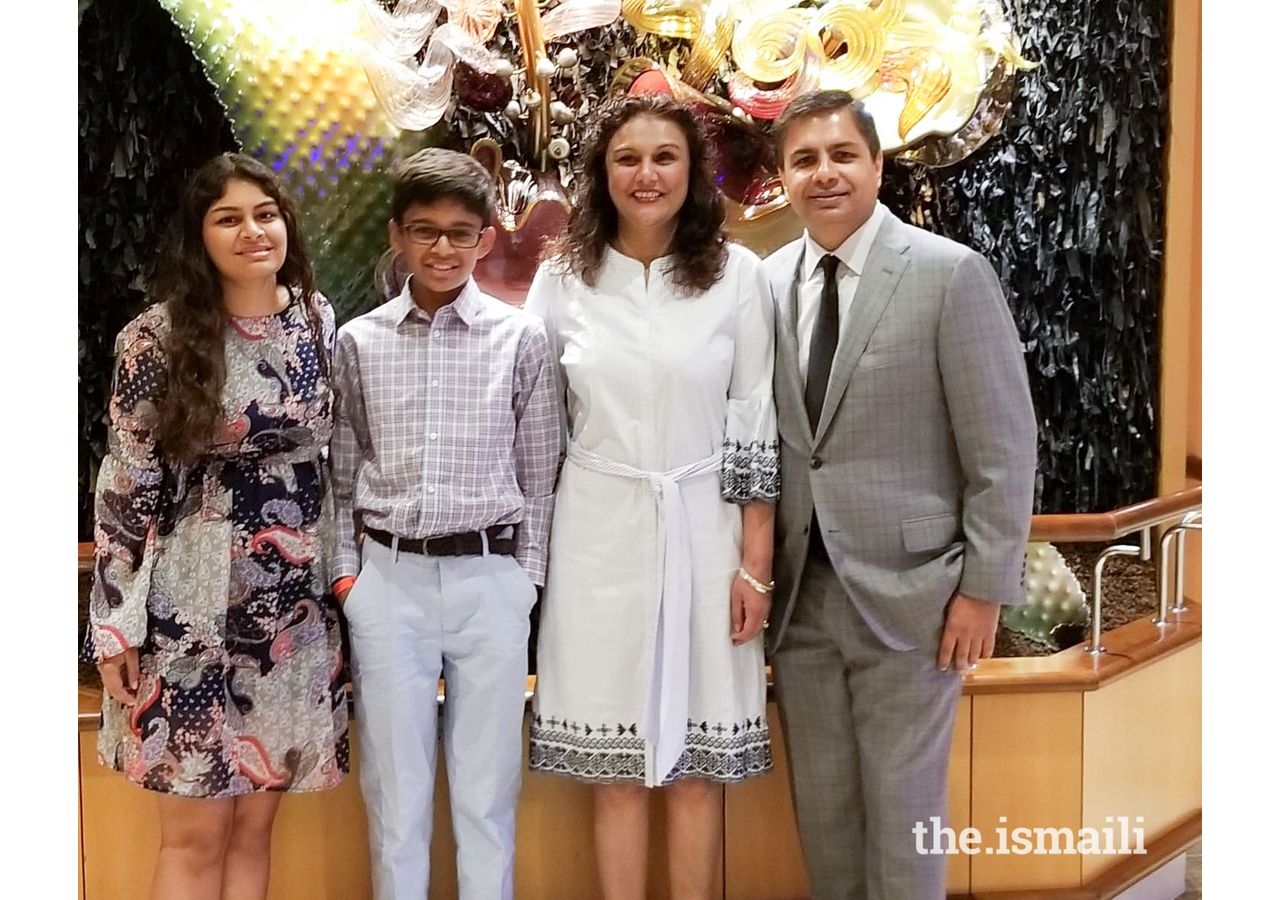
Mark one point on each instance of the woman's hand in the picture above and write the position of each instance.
(752, 591)
(748, 610)
(120, 676)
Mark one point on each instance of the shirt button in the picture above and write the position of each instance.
(815, 462)
(431, 489)
(434, 435)
(435, 382)
(438, 335)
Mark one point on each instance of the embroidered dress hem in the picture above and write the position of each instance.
(725, 754)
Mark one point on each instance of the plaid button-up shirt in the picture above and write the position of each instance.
(445, 424)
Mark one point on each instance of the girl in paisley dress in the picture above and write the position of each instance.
(211, 618)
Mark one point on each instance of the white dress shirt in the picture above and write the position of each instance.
(853, 257)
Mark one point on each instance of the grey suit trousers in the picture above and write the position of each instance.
(869, 738)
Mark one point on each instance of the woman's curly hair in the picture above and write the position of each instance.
(699, 246)
(190, 408)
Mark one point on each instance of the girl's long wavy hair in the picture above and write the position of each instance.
(699, 246)
(190, 409)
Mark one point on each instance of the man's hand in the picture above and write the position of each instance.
(120, 676)
(969, 633)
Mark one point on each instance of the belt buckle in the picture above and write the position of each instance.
(469, 543)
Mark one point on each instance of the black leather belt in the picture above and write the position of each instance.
(467, 544)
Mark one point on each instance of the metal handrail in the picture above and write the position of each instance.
(1190, 522)
(1095, 642)
(1143, 518)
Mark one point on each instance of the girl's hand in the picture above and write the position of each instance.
(120, 676)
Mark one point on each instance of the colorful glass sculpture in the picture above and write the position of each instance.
(330, 92)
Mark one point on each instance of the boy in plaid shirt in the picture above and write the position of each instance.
(446, 445)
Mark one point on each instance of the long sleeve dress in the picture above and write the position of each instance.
(669, 406)
(217, 571)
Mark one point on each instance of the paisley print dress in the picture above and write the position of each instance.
(218, 571)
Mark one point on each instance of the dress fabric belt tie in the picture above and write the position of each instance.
(666, 713)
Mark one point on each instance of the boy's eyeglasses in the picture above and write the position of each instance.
(427, 235)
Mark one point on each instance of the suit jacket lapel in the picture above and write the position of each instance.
(886, 262)
(786, 285)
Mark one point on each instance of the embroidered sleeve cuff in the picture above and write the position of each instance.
(750, 471)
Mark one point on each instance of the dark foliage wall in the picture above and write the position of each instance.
(1068, 204)
(148, 118)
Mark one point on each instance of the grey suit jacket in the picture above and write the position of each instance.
(922, 468)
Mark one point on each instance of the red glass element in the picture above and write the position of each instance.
(650, 82)
(508, 269)
(480, 90)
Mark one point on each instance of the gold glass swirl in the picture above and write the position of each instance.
(844, 25)
(771, 46)
(665, 18)
(715, 34)
(884, 15)
(924, 76)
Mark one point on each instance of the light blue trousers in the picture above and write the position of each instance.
(412, 619)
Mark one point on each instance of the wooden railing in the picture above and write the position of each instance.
(1110, 526)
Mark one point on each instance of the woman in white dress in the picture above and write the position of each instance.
(650, 656)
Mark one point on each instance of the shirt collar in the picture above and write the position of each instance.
(853, 252)
(467, 305)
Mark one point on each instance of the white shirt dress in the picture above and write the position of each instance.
(669, 404)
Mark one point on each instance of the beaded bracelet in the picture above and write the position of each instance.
(759, 586)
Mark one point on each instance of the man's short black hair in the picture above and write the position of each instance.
(816, 103)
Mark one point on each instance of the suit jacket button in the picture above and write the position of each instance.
(815, 462)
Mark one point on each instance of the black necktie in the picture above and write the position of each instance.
(822, 346)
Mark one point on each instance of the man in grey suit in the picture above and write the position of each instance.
(908, 465)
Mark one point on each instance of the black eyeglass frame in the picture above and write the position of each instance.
(428, 235)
